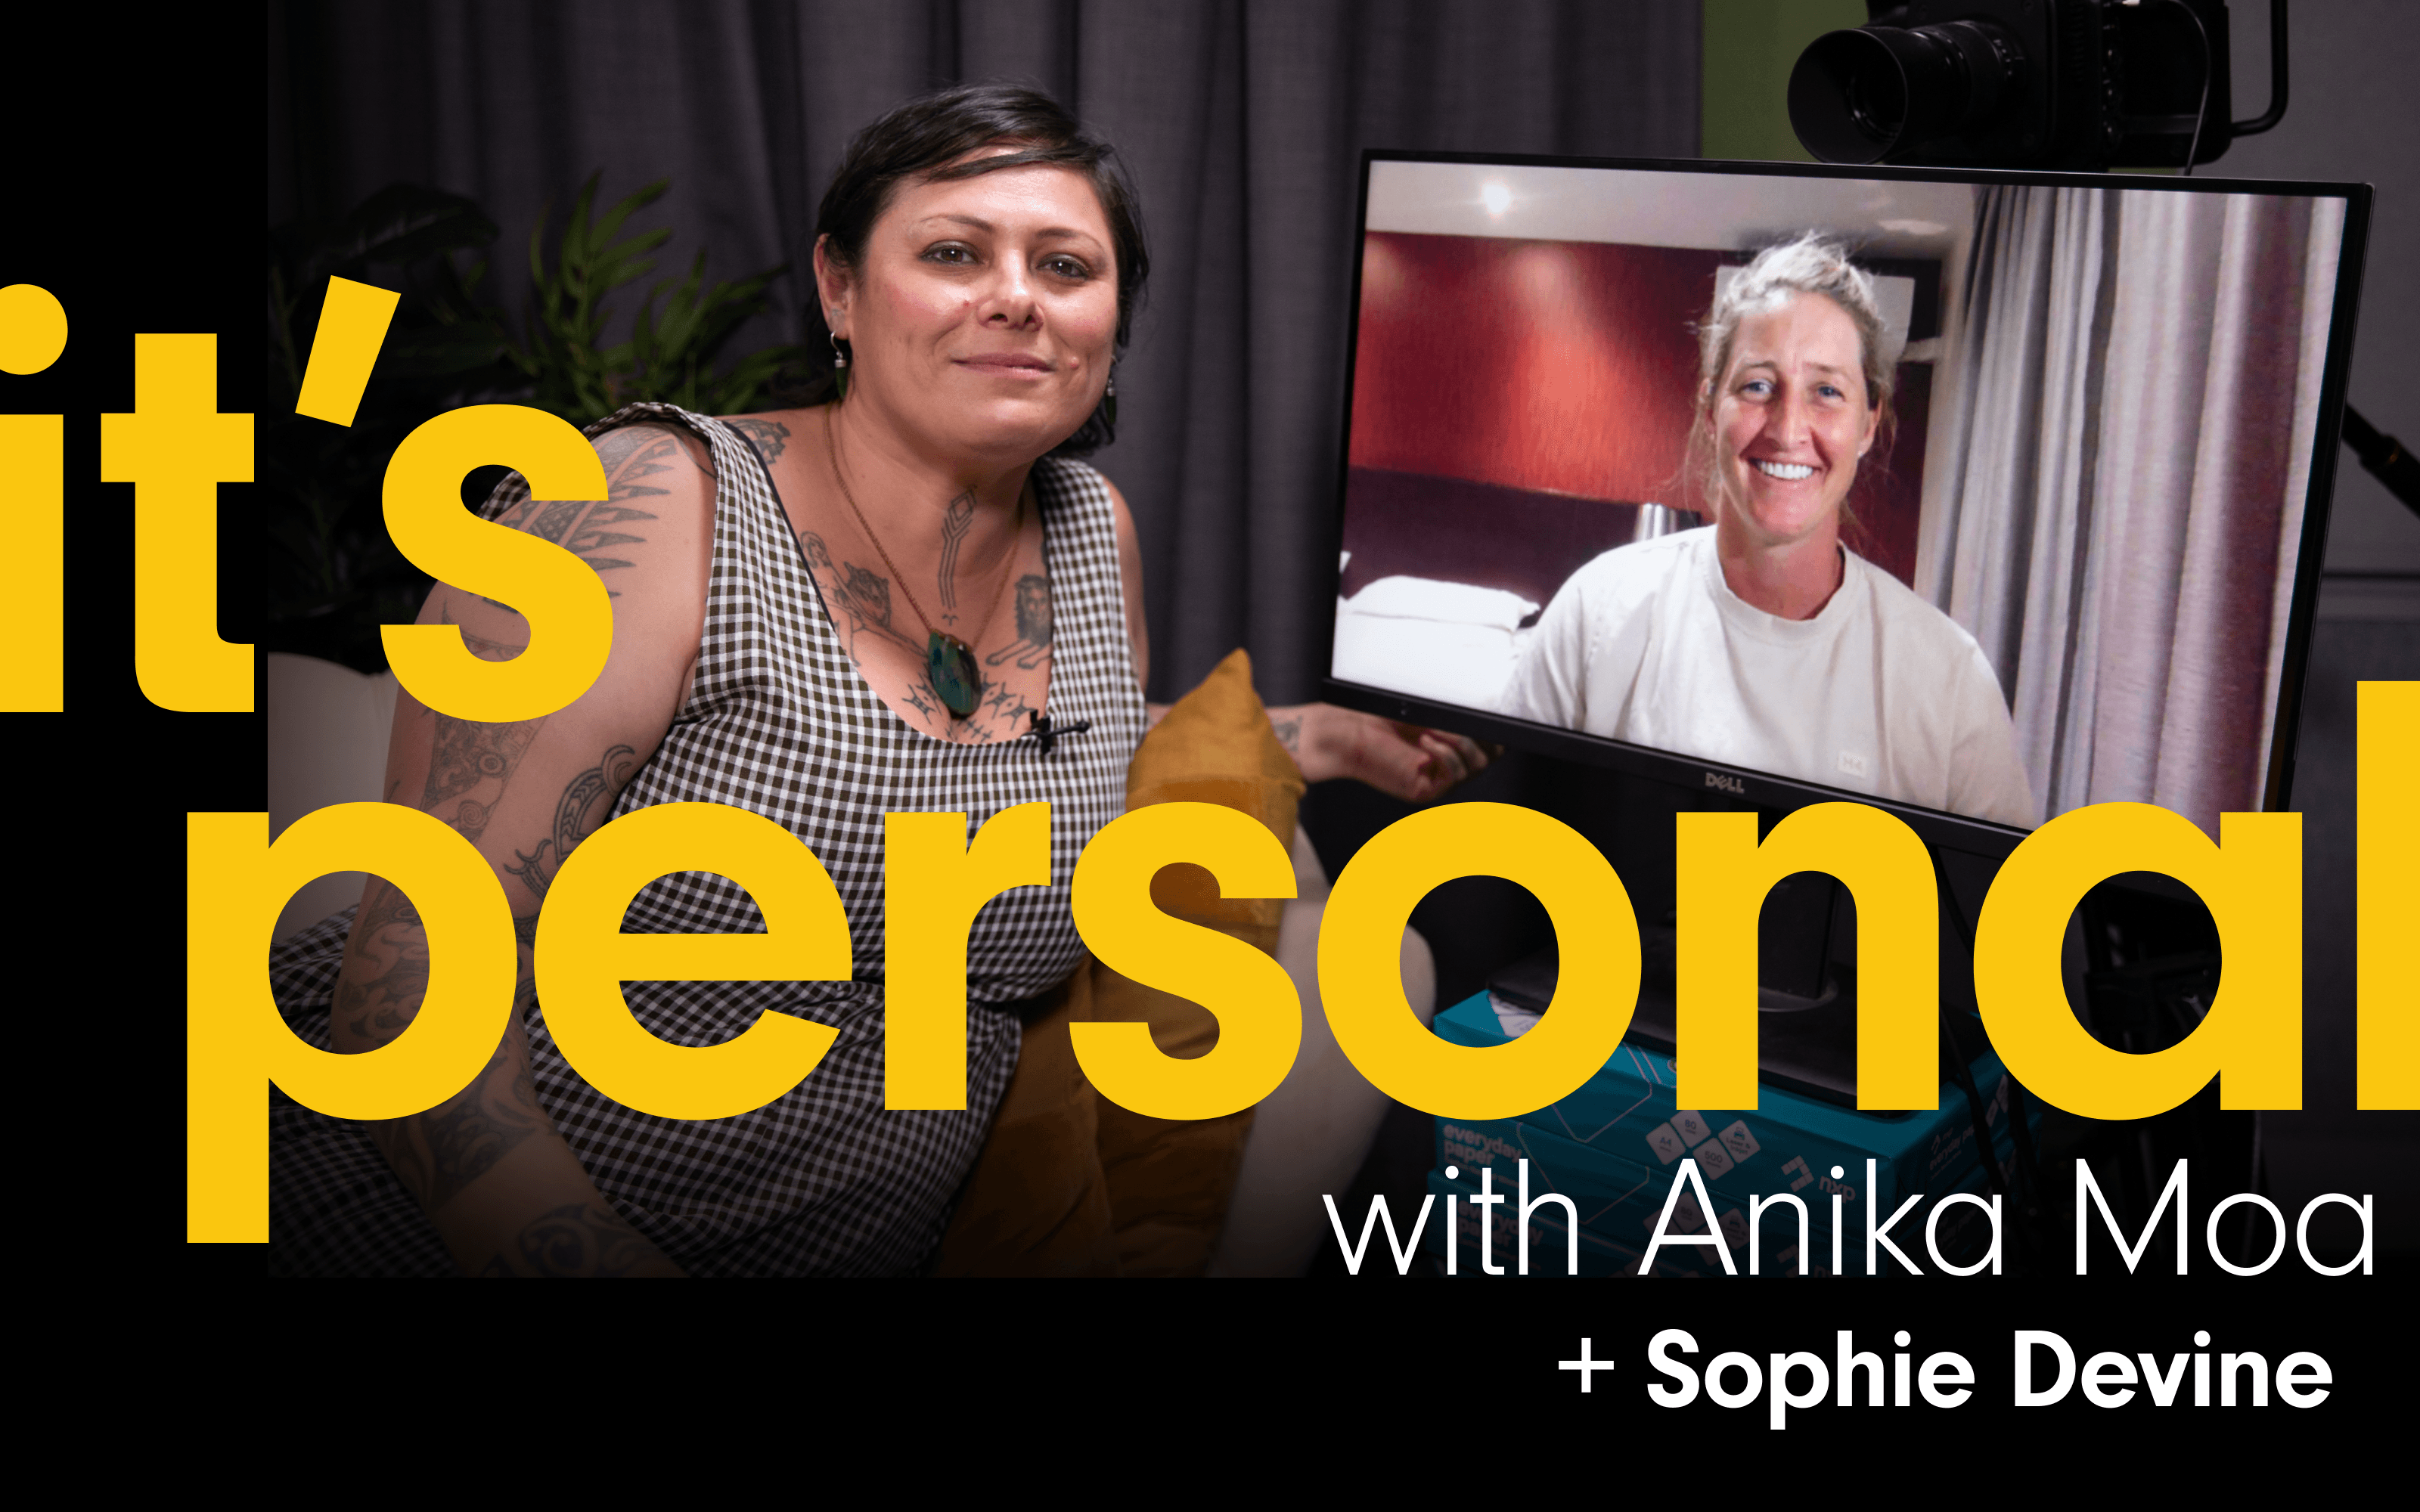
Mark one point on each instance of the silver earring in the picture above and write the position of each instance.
(1109, 401)
(840, 369)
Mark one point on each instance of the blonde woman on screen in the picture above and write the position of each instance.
(1763, 641)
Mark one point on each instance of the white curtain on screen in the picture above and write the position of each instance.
(2130, 393)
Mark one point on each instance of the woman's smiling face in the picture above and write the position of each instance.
(1790, 422)
(984, 316)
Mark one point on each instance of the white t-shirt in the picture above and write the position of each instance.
(1879, 693)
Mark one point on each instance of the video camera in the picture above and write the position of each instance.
(2080, 84)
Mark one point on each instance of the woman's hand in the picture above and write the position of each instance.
(1402, 760)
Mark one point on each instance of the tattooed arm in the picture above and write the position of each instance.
(1402, 760)
(503, 1190)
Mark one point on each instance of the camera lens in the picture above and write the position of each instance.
(1879, 93)
(1877, 106)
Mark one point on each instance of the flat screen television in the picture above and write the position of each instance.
(2073, 558)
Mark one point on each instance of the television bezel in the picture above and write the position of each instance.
(1736, 785)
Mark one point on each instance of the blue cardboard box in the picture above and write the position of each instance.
(1615, 1228)
(1614, 1244)
(1622, 1200)
(1619, 1200)
(1788, 1143)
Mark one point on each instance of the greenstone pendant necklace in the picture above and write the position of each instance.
(950, 663)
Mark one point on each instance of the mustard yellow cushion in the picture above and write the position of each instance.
(1070, 1183)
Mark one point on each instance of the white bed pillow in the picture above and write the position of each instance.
(1451, 642)
(1430, 598)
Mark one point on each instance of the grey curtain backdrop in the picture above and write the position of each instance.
(1242, 122)
(2129, 396)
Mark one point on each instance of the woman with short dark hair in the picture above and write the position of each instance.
(905, 596)
(935, 137)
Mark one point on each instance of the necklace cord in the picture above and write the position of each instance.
(831, 452)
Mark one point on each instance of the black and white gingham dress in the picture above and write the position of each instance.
(823, 1180)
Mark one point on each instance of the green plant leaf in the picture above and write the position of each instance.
(405, 222)
(621, 211)
(442, 351)
(675, 333)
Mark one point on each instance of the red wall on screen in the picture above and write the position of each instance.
(1569, 368)
(1565, 367)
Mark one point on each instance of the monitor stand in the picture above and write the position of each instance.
(1807, 1029)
